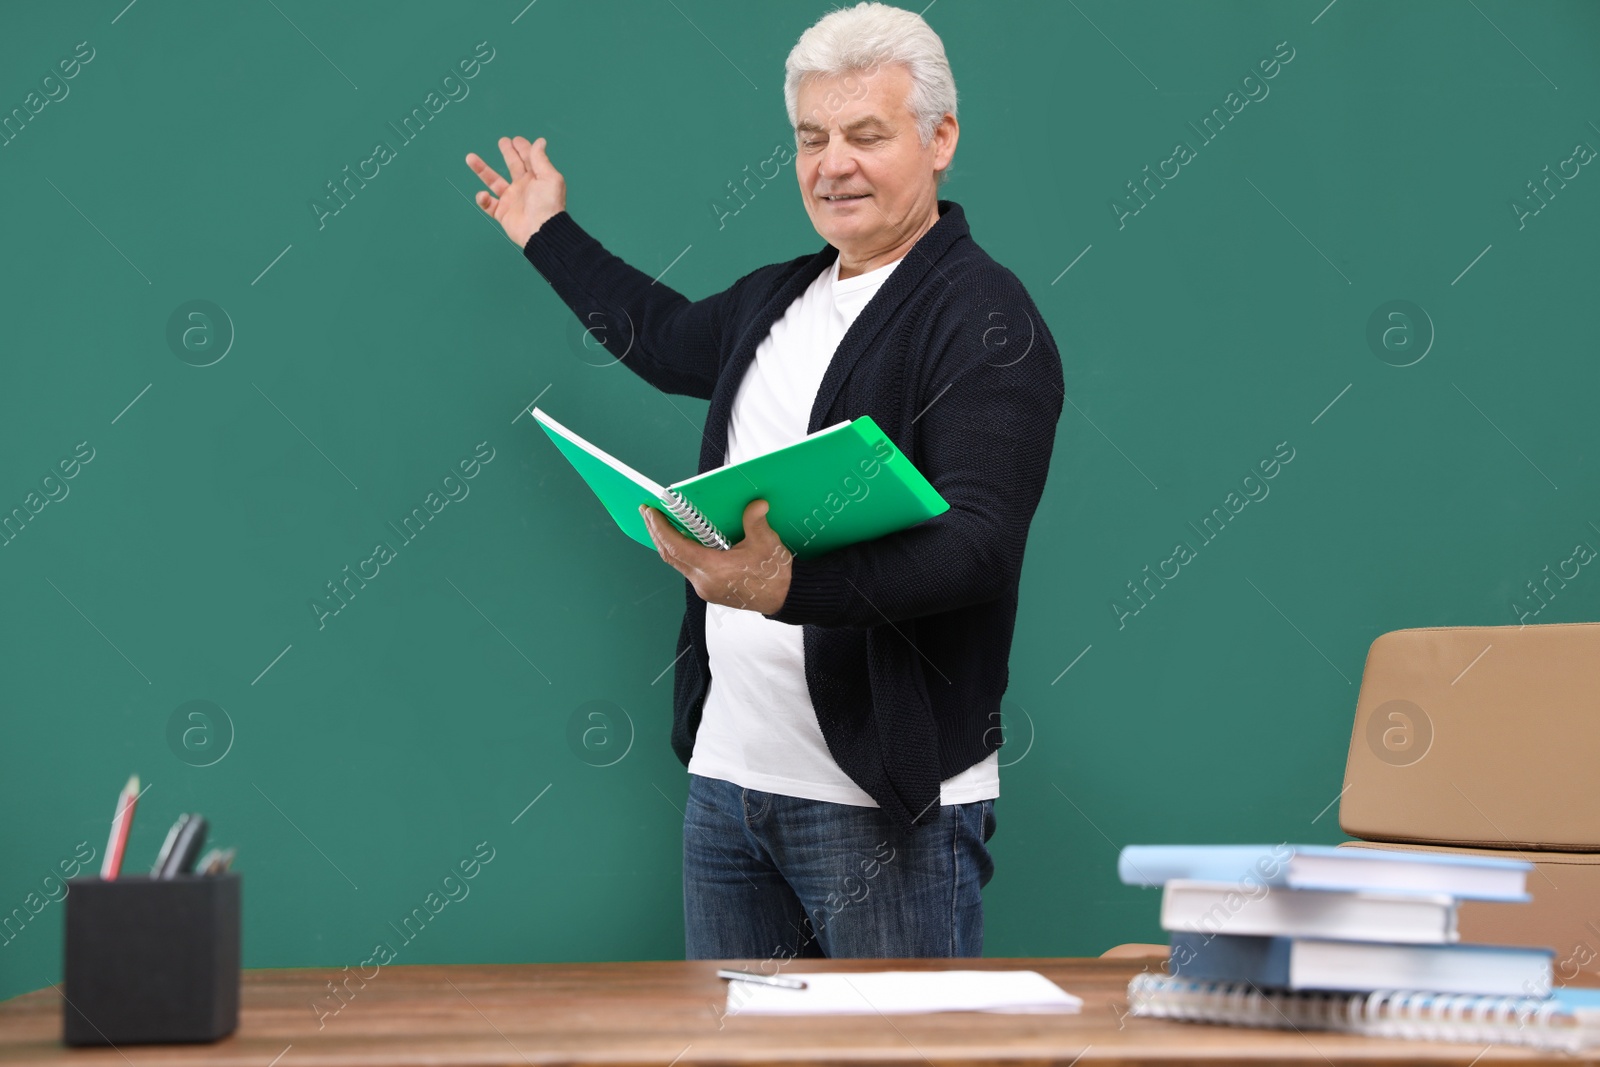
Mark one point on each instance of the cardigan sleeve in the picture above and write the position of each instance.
(669, 341)
(986, 436)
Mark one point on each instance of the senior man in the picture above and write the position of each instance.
(838, 716)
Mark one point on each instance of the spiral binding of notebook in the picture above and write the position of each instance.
(691, 517)
(1538, 1022)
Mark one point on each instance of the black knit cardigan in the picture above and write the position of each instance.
(907, 637)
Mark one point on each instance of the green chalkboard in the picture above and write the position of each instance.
(1329, 356)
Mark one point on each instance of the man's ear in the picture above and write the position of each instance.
(945, 136)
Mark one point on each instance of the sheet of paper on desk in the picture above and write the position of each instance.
(904, 992)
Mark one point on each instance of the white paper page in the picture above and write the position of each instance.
(904, 992)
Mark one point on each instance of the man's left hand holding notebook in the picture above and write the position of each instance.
(753, 574)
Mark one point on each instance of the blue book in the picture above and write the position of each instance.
(1297, 963)
(1328, 867)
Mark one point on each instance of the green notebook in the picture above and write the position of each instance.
(840, 485)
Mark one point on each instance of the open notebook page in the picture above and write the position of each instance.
(904, 992)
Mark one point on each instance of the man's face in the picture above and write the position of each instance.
(855, 136)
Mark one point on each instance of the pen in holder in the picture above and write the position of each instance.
(151, 960)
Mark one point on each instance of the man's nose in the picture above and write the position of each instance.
(837, 159)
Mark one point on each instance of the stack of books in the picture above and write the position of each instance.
(1355, 939)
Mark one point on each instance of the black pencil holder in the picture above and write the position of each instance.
(151, 960)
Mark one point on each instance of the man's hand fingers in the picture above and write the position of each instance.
(756, 525)
(658, 534)
(525, 152)
(542, 167)
(756, 511)
(514, 165)
(725, 577)
(497, 185)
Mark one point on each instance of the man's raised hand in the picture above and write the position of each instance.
(535, 193)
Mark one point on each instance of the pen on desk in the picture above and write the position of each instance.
(763, 979)
(120, 824)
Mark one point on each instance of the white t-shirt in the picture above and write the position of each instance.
(758, 728)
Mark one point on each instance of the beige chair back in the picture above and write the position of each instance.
(1486, 740)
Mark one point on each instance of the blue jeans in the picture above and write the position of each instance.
(771, 876)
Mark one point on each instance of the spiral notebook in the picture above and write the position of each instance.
(840, 485)
(1568, 1019)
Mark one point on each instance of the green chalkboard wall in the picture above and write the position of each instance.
(1371, 274)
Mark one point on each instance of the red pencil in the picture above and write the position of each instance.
(120, 824)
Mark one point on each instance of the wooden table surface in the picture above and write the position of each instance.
(672, 1014)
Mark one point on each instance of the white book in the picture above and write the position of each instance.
(1224, 908)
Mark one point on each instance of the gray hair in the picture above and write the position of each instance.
(861, 38)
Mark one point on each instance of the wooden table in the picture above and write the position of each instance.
(672, 1014)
